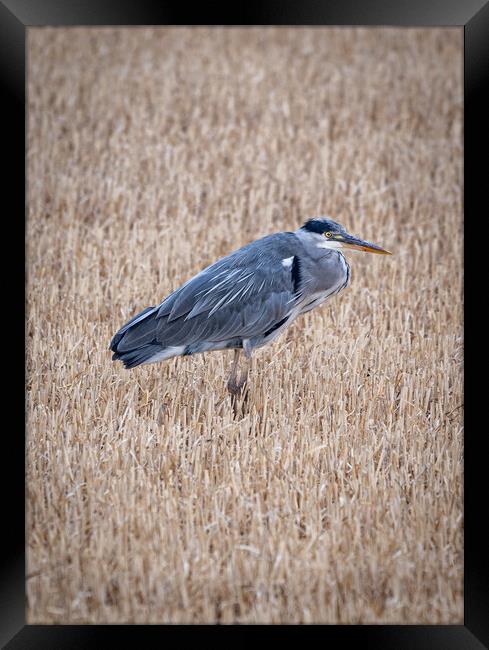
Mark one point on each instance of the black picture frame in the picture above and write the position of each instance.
(473, 16)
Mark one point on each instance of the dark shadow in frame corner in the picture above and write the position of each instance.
(15, 16)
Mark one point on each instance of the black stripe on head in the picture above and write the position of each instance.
(322, 225)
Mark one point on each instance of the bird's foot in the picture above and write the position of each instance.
(235, 385)
(239, 395)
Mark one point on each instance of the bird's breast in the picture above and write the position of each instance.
(345, 270)
(333, 276)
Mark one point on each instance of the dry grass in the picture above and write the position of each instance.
(338, 497)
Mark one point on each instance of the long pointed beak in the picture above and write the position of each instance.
(361, 245)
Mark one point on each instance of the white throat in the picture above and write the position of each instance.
(327, 243)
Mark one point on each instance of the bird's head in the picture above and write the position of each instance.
(336, 237)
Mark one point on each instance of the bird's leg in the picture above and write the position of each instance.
(237, 387)
(234, 384)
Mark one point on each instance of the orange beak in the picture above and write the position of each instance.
(348, 241)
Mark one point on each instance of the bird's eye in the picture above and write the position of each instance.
(328, 234)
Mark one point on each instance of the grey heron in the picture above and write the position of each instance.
(244, 300)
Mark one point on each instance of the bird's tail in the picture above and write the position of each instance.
(133, 358)
(135, 343)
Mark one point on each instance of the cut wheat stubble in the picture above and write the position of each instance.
(337, 498)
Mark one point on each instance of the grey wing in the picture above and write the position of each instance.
(242, 296)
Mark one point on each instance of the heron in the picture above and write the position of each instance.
(245, 300)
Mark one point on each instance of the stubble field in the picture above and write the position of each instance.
(337, 497)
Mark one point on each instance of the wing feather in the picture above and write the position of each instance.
(242, 295)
